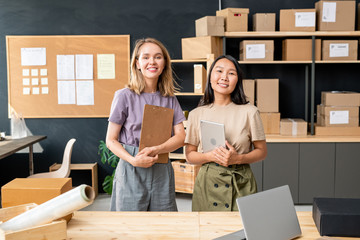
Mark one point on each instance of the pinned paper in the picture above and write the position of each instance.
(43, 72)
(33, 56)
(34, 81)
(85, 92)
(44, 81)
(106, 66)
(254, 51)
(84, 66)
(65, 67)
(66, 92)
(36, 90)
(45, 90)
(26, 81)
(34, 72)
(26, 91)
(26, 72)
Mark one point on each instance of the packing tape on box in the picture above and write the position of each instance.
(294, 127)
(55, 208)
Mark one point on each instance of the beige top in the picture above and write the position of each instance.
(243, 124)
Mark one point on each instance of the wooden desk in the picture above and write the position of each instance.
(10, 146)
(168, 225)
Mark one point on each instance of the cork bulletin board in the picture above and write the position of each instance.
(66, 76)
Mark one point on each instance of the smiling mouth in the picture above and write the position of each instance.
(223, 85)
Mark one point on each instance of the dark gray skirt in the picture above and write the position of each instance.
(143, 189)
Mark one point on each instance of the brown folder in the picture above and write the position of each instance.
(156, 128)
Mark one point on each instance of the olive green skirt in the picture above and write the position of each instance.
(217, 187)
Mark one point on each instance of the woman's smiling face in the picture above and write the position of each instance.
(223, 77)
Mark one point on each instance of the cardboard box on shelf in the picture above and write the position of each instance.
(293, 127)
(257, 50)
(340, 98)
(236, 19)
(339, 50)
(267, 95)
(335, 116)
(33, 190)
(264, 22)
(185, 175)
(201, 47)
(210, 26)
(249, 90)
(300, 49)
(335, 15)
(337, 131)
(297, 20)
(271, 122)
(199, 78)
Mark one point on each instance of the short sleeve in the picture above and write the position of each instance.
(119, 108)
(178, 113)
(192, 130)
(256, 127)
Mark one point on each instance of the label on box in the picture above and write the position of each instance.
(339, 50)
(255, 51)
(305, 19)
(329, 12)
(339, 117)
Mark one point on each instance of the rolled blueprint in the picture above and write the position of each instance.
(55, 208)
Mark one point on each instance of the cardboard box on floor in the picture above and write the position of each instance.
(199, 78)
(271, 122)
(335, 15)
(264, 22)
(267, 95)
(340, 98)
(335, 116)
(293, 127)
(257, 50)
(210, 26)
(236, 19)
(249, 90)
(33, 190)
(336, 50)
(297, 20)
(201, 47)
(300, 49)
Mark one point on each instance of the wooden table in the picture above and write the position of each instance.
(168, 225)
(10, 146)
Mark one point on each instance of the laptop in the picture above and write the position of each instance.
(267, 215)
(212, 135)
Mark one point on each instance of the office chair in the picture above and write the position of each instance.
(64, 170)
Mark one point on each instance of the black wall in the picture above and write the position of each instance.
(168, 21)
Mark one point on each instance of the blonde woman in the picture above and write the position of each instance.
(141, 184)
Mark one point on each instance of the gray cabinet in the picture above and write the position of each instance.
(281, 167)
(316, 171)
(312, 170)
(347, 172)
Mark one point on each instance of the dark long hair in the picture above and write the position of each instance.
(237, 96)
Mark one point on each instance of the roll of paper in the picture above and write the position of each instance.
(55, 208)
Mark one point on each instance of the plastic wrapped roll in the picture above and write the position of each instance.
(55, 208)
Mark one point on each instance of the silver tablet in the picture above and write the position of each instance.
(212, 135)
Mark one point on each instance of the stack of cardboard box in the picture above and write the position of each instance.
(267, 101)
(338, 113)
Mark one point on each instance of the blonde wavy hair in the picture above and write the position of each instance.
(166, 84)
